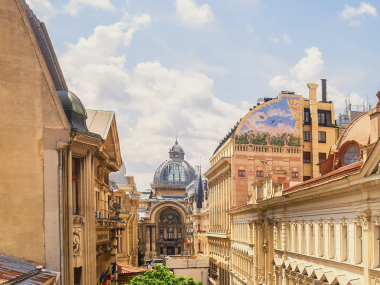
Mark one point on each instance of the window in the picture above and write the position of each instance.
(321, 248)
(306, 157)
(351, 155)
(161, 233)
(75, 185)
(260, 173)
(311, 240)
(322, 137)
(306, 135)
(359, 244)
(294, 174)
(179, 231)
(322, 157)
(306, 178)
(344, 243)
(161, 250)
(170, 233)
(179, 250)
(77, 275)
(332, 242)
(321, 118)
(241, 173)
(307, 116)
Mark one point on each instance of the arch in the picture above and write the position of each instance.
(159, 207)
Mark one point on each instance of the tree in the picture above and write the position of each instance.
(161, 275)
(141, 256)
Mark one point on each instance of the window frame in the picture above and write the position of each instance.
(306, 117)
(308, 160)
(295, 175)
(260, 173)
(323, 158)
(306, 139)
(320, 137)
(241, 173)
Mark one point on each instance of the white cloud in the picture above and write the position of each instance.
(275, 40)
(350, 12)
(210, 68)
(43, 9)
(74, 6)
(250, 30)
(193, 16)
(286, 38)
(310, 70)
(166, 101)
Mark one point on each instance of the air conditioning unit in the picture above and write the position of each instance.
(98, 214)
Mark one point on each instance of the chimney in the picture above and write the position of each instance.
(324, 92)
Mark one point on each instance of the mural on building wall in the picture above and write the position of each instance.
(277, 123)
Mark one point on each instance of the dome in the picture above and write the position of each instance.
(75, 112)
(175, 171)
(358, 130)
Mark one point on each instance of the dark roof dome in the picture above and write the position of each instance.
(175, 171)
(75, 112)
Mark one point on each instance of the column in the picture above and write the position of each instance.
(314, 128)
(153, 238)
(366, 244)
(147, 240)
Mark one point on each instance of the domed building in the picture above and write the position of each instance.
(162, 211)
(174, 174)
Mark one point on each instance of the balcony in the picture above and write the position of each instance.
(170, 240)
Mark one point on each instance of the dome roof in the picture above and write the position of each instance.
(358, 130)
(71, 102)
(176, 148)
(175, 171)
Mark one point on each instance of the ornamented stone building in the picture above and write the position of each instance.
(63, 204)
(162, 229)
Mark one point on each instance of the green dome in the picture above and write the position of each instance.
(71, 102)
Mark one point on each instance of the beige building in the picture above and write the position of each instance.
(162, 213)
(64, 207)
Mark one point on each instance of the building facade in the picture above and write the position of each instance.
(162, 223)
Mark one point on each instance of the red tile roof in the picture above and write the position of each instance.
(340, 172)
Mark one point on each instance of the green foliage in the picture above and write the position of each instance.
(258, 138)
(161, 275)
(140, 257)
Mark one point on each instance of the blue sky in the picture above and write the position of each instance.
(194, 67)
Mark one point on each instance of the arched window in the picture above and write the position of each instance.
(351, 155)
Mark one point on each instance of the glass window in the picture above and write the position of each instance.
(294, 174)
(322, 118)
(322, 157)
(179, 231)
(322, 137)
(75, 185)
(260, 173)
(306, 135)
(306, 157)
(241, 173)
(161, 233)
(307, 116)
(179, 250)
(161, 250)
(170, 233)
(351, 155)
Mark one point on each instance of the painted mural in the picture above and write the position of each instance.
(278, 123)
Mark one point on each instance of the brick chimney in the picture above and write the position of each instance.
(324, 92)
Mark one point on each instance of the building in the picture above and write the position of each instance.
(162, 228)
(198, 215)
(63, 204)
(127, 200)
(321, 231)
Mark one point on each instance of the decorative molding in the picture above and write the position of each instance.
(76, 243)
(366, 218)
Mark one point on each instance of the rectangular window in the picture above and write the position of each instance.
(322, 157)
(359, 244)
(344, 243)
(179, 231)
(75, 185)
(321, 242)
(306, 135)
(294, 174)
(260, 173)
(170, 233)
(241, 173)
(322, 137)
(77, 275)
(179, 250)
(332, 242)
(306, 178)
(161, 250)
(321, 118)
(307, 116)
(161, 233)
(306, 157)
(311, 240)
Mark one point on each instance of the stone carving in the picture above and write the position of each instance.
(366, 218)
(76, 244)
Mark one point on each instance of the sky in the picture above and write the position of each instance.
(195, 67)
